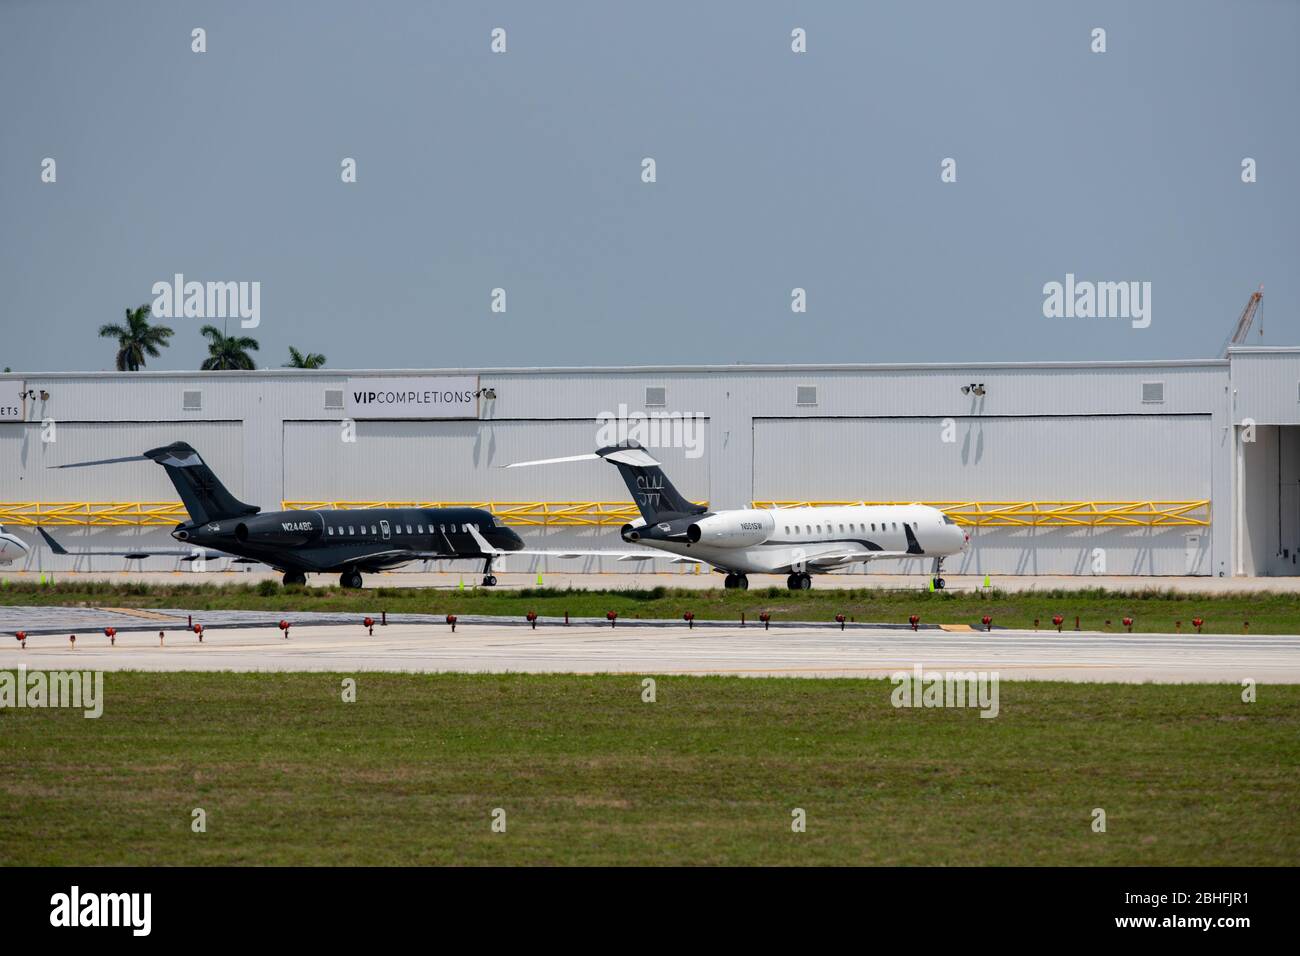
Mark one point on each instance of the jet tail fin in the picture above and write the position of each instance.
(652, 492)
(204, 496)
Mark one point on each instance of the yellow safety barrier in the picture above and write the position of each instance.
(93, 513)
(986, 514)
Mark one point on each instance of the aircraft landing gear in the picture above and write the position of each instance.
(799, 582)
(938, 580)
(350, 579)
(489, 579)
(294, 579)
(733, 581)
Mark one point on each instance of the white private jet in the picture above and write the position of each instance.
(798, 542)
(11, 547)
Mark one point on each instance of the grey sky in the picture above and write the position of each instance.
(522, 171)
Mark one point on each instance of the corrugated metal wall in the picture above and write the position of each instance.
(461, 461)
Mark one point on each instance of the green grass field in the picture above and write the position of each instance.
(589, 774)
(1151, 610)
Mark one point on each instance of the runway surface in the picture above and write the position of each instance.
(793, 651)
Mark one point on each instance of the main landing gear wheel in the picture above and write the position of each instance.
(350, 579)
(736, 581)
(489, 580)
(294, 578)
(799, 582)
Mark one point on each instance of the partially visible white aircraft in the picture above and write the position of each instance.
(798, 542)
(11, 547)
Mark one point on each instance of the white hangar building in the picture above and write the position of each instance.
(1148, 468)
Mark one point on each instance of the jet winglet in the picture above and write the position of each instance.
(54, 545)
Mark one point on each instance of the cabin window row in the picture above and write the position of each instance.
(343, 531)
(852, 528)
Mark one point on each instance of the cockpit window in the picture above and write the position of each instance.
(947, 520)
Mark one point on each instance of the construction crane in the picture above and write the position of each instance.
(1239, 334)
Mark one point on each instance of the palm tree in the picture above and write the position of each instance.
(227, 351)
(298, 360)
(136, 339)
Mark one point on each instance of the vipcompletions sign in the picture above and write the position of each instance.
(425, 397)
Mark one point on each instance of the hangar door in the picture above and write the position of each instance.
(1122, 457)
(1270, 501)
(1016, 463)
(28, 477)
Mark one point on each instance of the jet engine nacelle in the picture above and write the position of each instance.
(277, 529)
(732, 529)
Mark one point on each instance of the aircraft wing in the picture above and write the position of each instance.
(838, 559)
(644, 555)
(185, 554)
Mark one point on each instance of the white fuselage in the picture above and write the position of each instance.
(786, 540)
(11, 547)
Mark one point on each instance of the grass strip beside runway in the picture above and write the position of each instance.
(587, 772)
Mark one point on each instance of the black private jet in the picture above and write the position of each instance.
(298, 543)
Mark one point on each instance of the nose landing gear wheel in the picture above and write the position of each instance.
(350, 579)
(939, 584)
(294, 578)
(489, 580)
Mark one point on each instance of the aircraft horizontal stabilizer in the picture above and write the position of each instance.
(133, 554)
(551, 461)
(101, 461)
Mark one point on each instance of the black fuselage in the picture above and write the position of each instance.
(364, 539)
